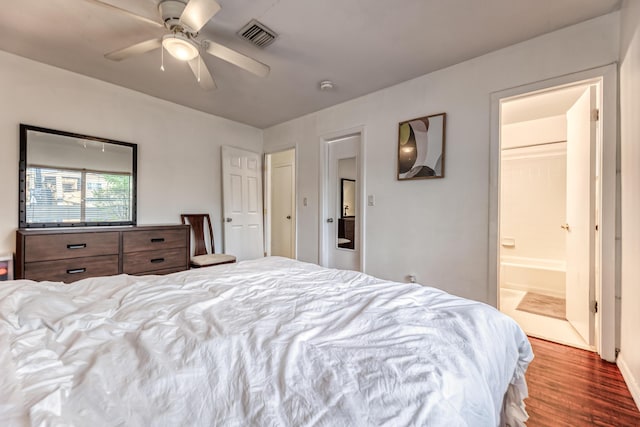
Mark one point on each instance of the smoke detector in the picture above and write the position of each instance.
(326, 85)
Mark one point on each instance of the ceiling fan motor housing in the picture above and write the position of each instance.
(170, 11)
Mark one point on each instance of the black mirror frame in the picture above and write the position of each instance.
(342, 180)
(22, 180)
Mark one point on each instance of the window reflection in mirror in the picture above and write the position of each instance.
(348, 200)
(70, 179)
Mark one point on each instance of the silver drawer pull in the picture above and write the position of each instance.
(157, 260)
(157, 240)
(77, 246)
(76, 270)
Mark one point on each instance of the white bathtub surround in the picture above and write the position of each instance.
(533, 197)
(539, 275)
(534, 325)
(533, 205)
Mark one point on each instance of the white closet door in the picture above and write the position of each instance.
(242, 203)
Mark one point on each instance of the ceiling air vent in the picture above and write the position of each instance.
(257, 33)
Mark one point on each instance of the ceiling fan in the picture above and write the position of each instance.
(184, 19)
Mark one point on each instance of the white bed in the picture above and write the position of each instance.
(270, 342)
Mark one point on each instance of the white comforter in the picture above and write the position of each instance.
(271, 342)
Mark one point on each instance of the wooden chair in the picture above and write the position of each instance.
(201, 257)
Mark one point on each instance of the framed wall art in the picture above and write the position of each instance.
(421, 147)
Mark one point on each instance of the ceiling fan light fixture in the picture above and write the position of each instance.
(180, 47)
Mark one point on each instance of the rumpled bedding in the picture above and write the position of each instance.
(268, 342)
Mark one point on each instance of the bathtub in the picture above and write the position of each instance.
(543, 276)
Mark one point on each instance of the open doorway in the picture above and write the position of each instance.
(548, 209)
(280, 203)
(341, 232)
(599, 269)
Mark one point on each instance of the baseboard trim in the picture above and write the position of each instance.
(632, 383)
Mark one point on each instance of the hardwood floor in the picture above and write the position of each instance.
(572, 387)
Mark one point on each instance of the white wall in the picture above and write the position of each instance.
(436, 229)
(347, 168)
(629, 359)
(178, 148)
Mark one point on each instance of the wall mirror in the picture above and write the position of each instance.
(348, 197)
(346, 238)
(72, 180)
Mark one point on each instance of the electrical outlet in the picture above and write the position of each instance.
(371, 200)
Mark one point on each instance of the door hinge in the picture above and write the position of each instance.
(595, 306)
(595, 115)
(617, 352)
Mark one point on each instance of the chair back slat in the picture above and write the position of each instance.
(197, 222)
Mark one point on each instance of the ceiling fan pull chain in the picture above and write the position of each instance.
(199, 60)
(162, 58)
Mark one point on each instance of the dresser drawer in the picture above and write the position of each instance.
(164, 271)
(150, 261)
(46, 247)
(70, 270)
(147, 240)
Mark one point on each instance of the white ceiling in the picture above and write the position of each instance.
(550, 103)
(361, 45)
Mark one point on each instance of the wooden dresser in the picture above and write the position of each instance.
(68, 255)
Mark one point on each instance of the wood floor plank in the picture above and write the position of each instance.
(573, 387)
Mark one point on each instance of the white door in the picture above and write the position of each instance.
(242, 203)
(282, 210)
(342, 242)
(580, 225)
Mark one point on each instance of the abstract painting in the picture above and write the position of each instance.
(421, 147)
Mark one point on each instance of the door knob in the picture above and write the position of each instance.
(329, 219)
(288, 216)
(229, 219)
(565, 227)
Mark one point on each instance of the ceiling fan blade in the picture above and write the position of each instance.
(131, 14)
(237, 58)
(198, 12)
(136, 49)
(200, 70)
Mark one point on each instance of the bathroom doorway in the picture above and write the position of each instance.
(341, 238)
(599, 305)
(549, 175)
(547, 212)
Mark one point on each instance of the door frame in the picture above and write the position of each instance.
(323, 243)
(266, 193)
(607, 149)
